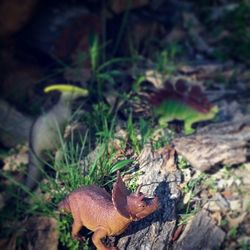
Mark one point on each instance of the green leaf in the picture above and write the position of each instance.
(114, 61)
(119, 165)
(107, 77)
(94, 51)
(137, 83)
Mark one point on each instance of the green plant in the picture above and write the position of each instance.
(104, 74)
(193, 183)
(186, 217)
(146, 131)
(165, 59)
(101, 121)
(182, 162)
(133, 135)
(137, 83)
(161, 136)
(65, 236)
(94, 52)
(191, 189)
(210, 183)
(119, 165)
(122, 28)
(138, 135)
(132, 185)
(224, 222)
(103, 70)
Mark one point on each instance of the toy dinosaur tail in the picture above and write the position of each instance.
(63, 206)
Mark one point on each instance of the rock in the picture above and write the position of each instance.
(221, 201)
(212, 206)
(235, 204)
(200, 233)
(243, 172)
(217, 203)
(230, 111)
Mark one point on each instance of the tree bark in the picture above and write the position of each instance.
(160, 176)
(222, 143)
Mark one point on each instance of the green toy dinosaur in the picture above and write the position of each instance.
(181, 102)
(171, 110)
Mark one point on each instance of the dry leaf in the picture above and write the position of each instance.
(235, 222)
(217, 217)
(187, 197)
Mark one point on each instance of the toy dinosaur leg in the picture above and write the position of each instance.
(34, 172)
(188, 128)
(75, 229)
(96, 238)
(163, 121)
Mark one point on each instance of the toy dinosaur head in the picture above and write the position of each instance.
(69, 92)
(133, 206)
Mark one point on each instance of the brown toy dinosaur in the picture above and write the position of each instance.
(106, 215)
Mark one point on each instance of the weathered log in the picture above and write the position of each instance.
(200, 233)
(14, 126)
(155, 231)
(221, 143)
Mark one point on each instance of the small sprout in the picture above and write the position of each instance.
(182, 162)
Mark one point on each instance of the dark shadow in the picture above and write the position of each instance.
(166, 211)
